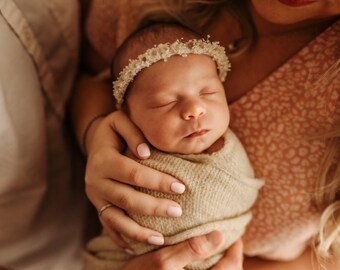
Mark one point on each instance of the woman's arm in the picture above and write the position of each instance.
(306, 261)
(91, 98)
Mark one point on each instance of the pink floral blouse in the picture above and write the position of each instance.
(277, 122)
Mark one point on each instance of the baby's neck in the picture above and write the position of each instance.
(217, 145)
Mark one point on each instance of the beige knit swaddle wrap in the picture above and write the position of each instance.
(220, 190)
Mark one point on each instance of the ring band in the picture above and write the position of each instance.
(106, 206)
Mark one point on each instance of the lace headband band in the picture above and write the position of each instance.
(164, 51)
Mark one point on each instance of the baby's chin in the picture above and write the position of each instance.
(188, 149)
(206, 143)
(202, 147)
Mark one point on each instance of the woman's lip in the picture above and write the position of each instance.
(296, 3)
(197, 133)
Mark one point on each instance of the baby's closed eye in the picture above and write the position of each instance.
(208, 92)
(162, 103)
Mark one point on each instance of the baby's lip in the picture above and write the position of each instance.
(197, 133)
(297, 3)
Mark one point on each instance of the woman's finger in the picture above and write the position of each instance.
(178, 256)
(134, 201)
(193, 249)
(126, 197)
(133, 173)
(112, 163)
(116, 220)
(233, 258)
(116, 237)
(121, 124)
(129, 199)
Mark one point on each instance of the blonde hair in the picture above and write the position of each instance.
(197, 15)
(327, 198)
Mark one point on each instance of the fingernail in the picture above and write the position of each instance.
(214, 238)
(129, 251)
(143, 150)
(177, 187)
(173, 211)
(156, 240)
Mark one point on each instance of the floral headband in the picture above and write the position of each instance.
(164, 51)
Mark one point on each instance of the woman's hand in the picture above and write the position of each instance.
(109, 176)
(178, 256)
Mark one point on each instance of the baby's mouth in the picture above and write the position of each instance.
(197, 133)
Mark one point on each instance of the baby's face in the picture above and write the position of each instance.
(180, 105)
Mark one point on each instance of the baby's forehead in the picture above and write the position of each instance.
(177, 72)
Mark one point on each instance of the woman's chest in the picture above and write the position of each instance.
(255, 65)
(278, 122)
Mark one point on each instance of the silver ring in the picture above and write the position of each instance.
(106, 206)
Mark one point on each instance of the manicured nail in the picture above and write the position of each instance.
(143, 150)
(156, 240)
(129, 251)
(177, 187)
(173, 211)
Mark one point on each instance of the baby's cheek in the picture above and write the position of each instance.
(163, 140)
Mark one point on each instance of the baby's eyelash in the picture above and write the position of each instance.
(207, 93)
(164, 104)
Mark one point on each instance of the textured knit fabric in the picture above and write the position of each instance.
(275, 122)
(220, 190)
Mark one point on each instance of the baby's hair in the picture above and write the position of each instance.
(145, 38)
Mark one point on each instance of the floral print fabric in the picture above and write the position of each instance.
(277, 122)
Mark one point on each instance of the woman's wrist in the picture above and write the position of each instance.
(88, 131)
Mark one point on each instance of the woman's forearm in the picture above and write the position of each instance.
(306, 261)
(90, 99)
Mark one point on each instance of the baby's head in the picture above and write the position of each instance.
(172, 87)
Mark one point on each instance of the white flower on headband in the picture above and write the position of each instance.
(164, 51)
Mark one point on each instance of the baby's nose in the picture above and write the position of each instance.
(193, 109)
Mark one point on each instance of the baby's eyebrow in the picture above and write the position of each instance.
(162, 89)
